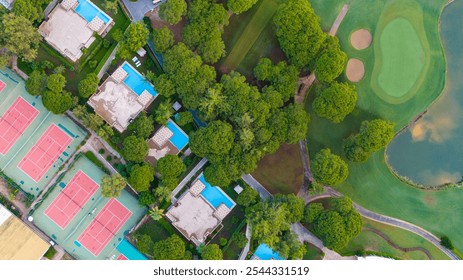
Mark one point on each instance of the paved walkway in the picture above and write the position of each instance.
(187, 178)
(339, 19)
(263, 193)
(107, 64)
(14, 66)
(138, 9)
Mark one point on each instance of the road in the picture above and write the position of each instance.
(138, 9)
(263, 193)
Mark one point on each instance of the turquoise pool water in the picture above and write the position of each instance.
(136, 82)
(264, 252)
(129, 251)
(179, 139)
(89, 11)
(215, 195)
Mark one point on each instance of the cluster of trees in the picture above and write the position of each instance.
(248, 197)
(172, 11)
(18, 37)
(244, 128)
(373, 136)
(169, 167)
(134, 37)
(93, 121)
(335, 102)
(88, 86)
(270, 221)
(141, 176)
(112, 185)
(337, 225)
(30, 9)
(240, 6)
(328, 168)
(211, 252)
(51, 87)
(171, 248)
(203, 34)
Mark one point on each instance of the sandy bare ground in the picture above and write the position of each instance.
(355, 70)
(361, 39)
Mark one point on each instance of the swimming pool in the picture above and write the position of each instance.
(129, 251)
(215, 195)
(136, 82)
(179, 139)
(89, 11)
(264, 252)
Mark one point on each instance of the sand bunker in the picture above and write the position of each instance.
(361, 39)
(355, 70)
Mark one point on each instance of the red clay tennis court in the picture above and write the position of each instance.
(45, 152)
(105, 225)
(122, 258)
(14, 122)
(73, 197)
(2, 86)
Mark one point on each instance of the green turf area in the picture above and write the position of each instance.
(281, 172)
(328, 11)
(247, 33)
(407, 245)
(372, 184)
(313, 253)
(157, 230)
(402, 57)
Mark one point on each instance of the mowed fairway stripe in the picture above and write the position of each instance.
(261, 19)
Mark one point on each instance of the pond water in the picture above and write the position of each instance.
(430, 152)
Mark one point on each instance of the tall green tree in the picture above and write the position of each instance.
(240, 6)
(135, 149)
(329, 168)
(28, 9)
(164, 86)
(172, 248)
(247, 197)
(163, 39)
(113, 185)
(143, 126)
(18, 36)
(57, 102)
(172, 11)
(145, 244)
(212, 252)
(135, 37)
(214, 140)
(112, 6)
(141, 177)
(89, 85)
(331, 62)
(335, 102)
(37, 83)
(170, 166)
(299, 32)
(164, 112)
(56, 82)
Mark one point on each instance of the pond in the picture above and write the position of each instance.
(430, 151)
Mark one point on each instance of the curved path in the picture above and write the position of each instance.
(398, 223)
(394, 245)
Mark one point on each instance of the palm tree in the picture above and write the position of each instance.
(156, 213)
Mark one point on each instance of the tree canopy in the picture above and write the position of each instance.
(145, 244)
(374, 135)
(30, 9)
(57, 102)
(329, 168)
(135, 37)
(141, 177)
(335, 102)
(113, 185)
(172, 248)
(247, 197)
(331, 62)
(299, 32)
(212, 252)
(214, 140)
(164, 112)
(312, 211)
(339, 224)
(37, 82)
(143, 126)
(172, 11)
(18, 36)
(135, 149)
(163, 39)
(206, 20)
(170, 166)
(89, 85)
(240, 6)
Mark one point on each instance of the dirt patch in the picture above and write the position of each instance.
(281, 172)
(361, 39)
(355, 70)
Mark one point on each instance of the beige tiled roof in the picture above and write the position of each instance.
(197, 188)
(145, 98)
(69, 4)
(96, 24)
(221, 212)
(162, 135)
(119, 75)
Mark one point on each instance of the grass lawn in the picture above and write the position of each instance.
(249, 37)
(412, 246)
(281, 172)
(313, 253)
(50, 253)
(157, 230)
(372, 184)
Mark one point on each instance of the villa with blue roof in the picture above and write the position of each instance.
(169, 139)
(122, 97)
(71, 26)
(200, 210)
